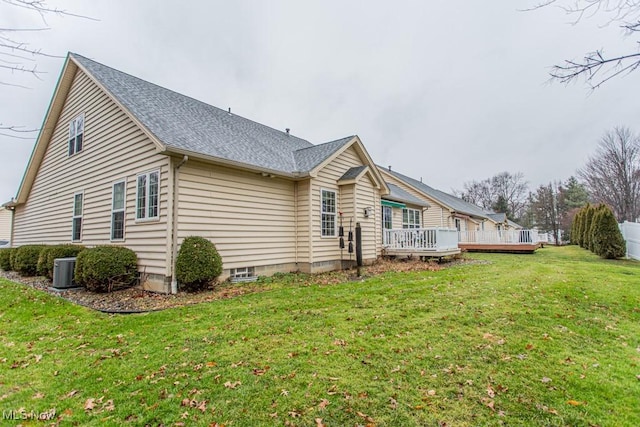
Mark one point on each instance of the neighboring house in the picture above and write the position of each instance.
(477, 229)
(445, 210)
(6, 219)
(123, 161)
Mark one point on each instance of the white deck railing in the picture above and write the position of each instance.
(421, 239)
(500, 237)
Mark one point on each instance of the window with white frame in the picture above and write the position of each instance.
(387, 223)
(76, 134)
(410, 218)
(117, 210)
(147, 201)
(457, 223)
(76, 227)
(328, 213)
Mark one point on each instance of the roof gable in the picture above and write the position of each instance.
(452, 202)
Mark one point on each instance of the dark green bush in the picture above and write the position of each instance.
(5, 259)
(104, 268)
(198, 263)
(50, 253)
(589, 212)
(25, 259)
(607, 238)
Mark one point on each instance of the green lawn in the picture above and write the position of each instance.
(545, 339)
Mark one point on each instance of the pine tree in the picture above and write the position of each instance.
(608, 240)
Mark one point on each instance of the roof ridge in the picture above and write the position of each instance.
(189, 97)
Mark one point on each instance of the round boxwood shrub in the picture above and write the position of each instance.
(198, 263)
(105, 268)
(49, 254)
(25, 259)
(5, 259)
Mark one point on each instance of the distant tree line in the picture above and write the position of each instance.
(611, 177)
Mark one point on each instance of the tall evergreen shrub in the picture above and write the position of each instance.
(607, 238)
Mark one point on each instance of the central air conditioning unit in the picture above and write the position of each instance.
(63, 269)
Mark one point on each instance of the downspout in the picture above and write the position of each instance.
(295, 221)
(174, 225)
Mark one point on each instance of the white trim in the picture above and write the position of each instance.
(74, 216)
(335, 213)
(146, 217)
(123, 209)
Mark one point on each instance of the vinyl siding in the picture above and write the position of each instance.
(367, 196)
(5, 224)
(327, 248)
(250, 218)
(114, 148)
(436, 216)
(303, 220)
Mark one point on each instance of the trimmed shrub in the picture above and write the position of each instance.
(607, 238)
(198, 263)
(5, 259)
(25, 259)
(105, 268)
(50, 253)
(589, 212)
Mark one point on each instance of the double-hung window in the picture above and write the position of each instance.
(147, 199)
(76, 134)
(410, 218)
(76, 226)
(117, 210)
(328, 213)
(386, 218)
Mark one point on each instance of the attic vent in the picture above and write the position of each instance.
(229, 110)
(287, 129)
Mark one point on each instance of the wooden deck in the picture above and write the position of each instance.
(510, 248)
(420, 253)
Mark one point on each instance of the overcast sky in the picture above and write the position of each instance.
(444, 91)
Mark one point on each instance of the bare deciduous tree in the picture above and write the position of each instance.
(596, 67)
(504, 190)
(19, 57)
(612, 175)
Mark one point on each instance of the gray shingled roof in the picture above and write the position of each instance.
(186, 124)
(352, 173)
(497, 217)
(455, 203)
(397, 194)
(308, 158)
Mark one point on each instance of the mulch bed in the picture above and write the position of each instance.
(136, 300)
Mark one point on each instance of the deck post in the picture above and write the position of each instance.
(359, 248)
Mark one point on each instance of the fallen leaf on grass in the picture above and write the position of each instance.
(365, 416)
(319, 422)
(90, 404)
(232, 385)
(490, 391)
(211, 364)
(393, 403)
(574, 403)
(259, 372)
(284, 392)
(546, 380)
(38, 395)
(323, 403)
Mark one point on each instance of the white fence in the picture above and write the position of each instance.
(421, 239)
(631, 233)
(500, 237)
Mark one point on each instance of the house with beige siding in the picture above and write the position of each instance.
(122, 161)
(476, 229)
